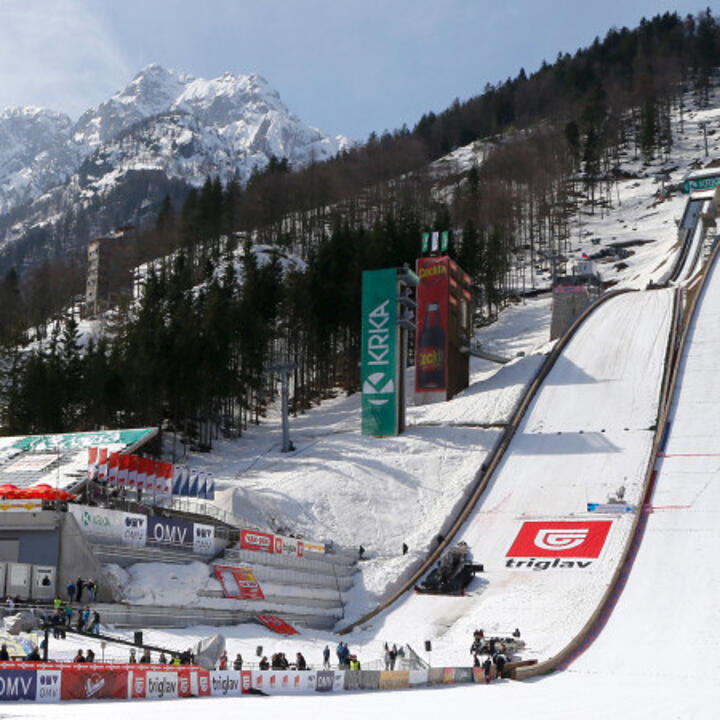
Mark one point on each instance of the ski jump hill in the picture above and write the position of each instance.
(560, 508)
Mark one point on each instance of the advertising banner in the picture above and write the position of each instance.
(379, 365)
(561, 539)
(91, 682)
(314, 547)
(169, 532)
(239, 582)
(48, 684)
(418, 677)
(254, 540)
(17, 685)
(614, 508)
(448, 676)
(134, 531)
(31, 463)
(203, 539)
(353, 680)
(370, 679)
(29, 505)
(325, 680)
(284, 681)
(288, 546)
(162, 685)
(432, 325)
(112, 525)
(394, 679)
(225, 683)
(199, 683)
(463, 675)
(98, 522)
(277, 625)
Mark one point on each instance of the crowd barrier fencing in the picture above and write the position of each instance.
(57, 681)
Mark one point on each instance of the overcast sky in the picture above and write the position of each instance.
(346, 66)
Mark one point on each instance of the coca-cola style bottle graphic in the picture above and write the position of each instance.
(431, 351)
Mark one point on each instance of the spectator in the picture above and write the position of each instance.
(146, 658)
(4, 655)
(345, 655)
(516, 633)
(56, 621)
(79, 585)
(10, 603)
(487, 668)
(264, 664)
(70, 587)
(353, 662)
(95, 627)
(404, 548)
(68, 615)
(223, 661)
(393, 656)
(33, 655)
(92, 590)
(339, 653)
(300, 662)
(238, 662)
(499, 665)
(79, 657)
(326, 658)
(132, 658)
(57, 603)
(361, 552)
(90, 656)
(387, 657)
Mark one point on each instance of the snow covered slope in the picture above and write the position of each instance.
(588, 431)
(668, 606)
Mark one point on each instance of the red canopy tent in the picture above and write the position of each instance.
(43, 491)
(10, 492)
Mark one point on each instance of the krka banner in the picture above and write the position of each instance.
(379, 352)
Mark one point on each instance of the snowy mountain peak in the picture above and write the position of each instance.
(163, 122)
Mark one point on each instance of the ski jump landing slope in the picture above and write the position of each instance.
(589, 430)
(668, 615)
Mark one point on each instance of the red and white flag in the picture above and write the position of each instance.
(113, 468)
(102, 465)
(132, 470)
(141, 473)
(169, 475)
(92, 461)
(123, 462)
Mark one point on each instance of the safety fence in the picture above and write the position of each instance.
(54, 682)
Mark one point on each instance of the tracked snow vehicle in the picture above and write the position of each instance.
(452, 574)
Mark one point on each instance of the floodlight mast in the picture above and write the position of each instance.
(283, 369)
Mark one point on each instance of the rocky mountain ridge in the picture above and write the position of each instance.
(167, 128)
